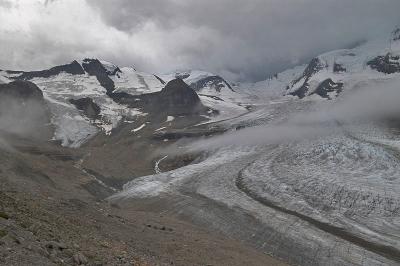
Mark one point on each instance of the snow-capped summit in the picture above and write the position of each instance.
(206, 84)
(199, 80)
(328, 75)
(111, 69)
(214, 91)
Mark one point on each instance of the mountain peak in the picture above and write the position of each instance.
(179, 88)
(176, 82)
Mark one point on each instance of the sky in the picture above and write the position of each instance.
(242, 40)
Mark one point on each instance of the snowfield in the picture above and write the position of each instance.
(134, 82)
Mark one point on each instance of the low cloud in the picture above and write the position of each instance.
(28, 118)
(376, 103)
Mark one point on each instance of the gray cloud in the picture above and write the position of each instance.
(252, 39)
(5, 4)
(246, 40)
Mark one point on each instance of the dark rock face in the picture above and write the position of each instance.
(87, 106)
(21, 90)
(73, 68)
(328, 86)
(94, 68)
(338, 68)
(177, 94)
(14, 72)
(387, 64)
(177, 98)
(213, 81)
(302, 91)
(313, 67)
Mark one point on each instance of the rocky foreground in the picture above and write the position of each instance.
(53, 212)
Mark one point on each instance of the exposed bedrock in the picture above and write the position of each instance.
(328, 88)
(387, 64)
(176, 98)
(87, 106)
(73, 68)
(95, 68)
(215, 82)
(313, 67)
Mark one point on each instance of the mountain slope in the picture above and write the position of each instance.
(104, 86)
(327, 75)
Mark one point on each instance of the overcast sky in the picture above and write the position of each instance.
(240, 39)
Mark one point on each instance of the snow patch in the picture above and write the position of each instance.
(138, 128)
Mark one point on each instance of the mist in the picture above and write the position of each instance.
(27, 118)
(376, 103)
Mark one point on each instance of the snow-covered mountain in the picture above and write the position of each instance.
(90, 95)
(214, 91)
(328, 75)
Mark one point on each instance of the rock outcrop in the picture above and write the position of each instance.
(73, 68)
(215, 82)
(87, 106)
(177, 98)
(302, 82)
(387, 64)
(327, 88)
(94, 68)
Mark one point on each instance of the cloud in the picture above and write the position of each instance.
(5, 4)
(244, 40)
(374, 105)
(26, 118)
